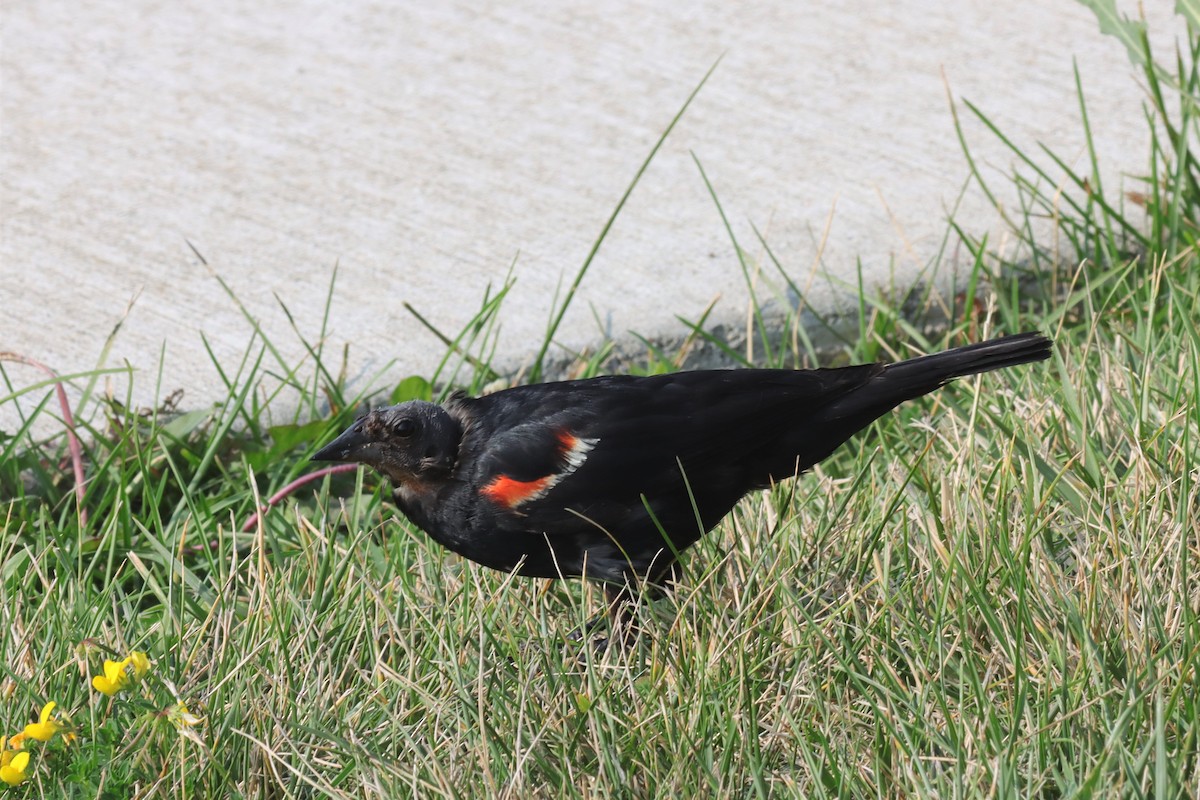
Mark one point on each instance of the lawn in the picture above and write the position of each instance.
(989, 593)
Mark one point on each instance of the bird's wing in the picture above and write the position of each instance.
(523, 464)
(614, 450)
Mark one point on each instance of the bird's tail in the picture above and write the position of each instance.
(907, 380)
(972, 359)
(889, 386)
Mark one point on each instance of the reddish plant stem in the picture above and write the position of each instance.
(73, 445)
(291, 487)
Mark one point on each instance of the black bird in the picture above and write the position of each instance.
(611, 478)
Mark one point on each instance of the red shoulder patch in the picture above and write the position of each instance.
(512, 493)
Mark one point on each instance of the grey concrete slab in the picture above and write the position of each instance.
(423, 147)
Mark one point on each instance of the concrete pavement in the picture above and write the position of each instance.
(424, 148)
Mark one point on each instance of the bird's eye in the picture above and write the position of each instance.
(404, 427)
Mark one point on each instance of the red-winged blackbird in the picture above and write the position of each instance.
(611, 478)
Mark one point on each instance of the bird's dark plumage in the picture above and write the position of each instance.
(611, 478)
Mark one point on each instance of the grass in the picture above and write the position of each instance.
(991, 593)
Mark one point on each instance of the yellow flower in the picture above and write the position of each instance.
(185, 723)
(181, 718)
(140, 663)
(13, 763)
(113, 680)
(118, 673)
(46, 726)
(15, 742)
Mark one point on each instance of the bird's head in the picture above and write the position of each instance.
(407, 442)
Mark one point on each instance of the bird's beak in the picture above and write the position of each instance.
(349, 446)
